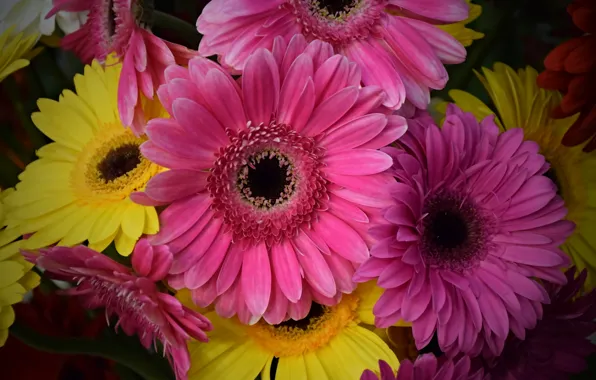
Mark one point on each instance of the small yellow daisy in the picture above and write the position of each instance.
(16, 277)
(12, 50)
(79, 187)
(520, 103)
(331, 343)
(458, 30)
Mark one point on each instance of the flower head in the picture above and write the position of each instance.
(520, 103)
(123, 27)
(395, 42)
(272, 184)
(79, 187)
(426, 367)
(330, 343)
(571, 68)
(12, 50)
(559, 345)
(474, 221)
(132, 296)
(16, 277)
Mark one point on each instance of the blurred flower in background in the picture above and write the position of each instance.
(16, 277)
(426, 367)
(519, 103)
(29, 17)
(13, 49)
(460, 31)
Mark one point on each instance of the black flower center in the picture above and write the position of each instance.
(448, 229)
(316, 312)
(119, 161)
(456, 231)
(111, 22)
(267, 180)
(336, 6)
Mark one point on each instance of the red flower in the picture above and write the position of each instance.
(50, 314)
(571, 69)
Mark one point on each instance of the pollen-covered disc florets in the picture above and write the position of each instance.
(266, 173)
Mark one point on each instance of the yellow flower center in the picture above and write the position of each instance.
(111, 166)
(292, 338)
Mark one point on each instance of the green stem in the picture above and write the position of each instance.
(109, 347)
(186, 31)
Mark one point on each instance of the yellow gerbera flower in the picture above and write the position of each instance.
(16, 277)
(520, 103)
(79, 187)
(12, 50)
(331, 343)
(458, 30)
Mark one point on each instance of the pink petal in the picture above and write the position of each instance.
(278, 306)
(256, 288)
(199, 123)
(161, 263)
(300, 309)
(358, 162)
(168, 135)
(287, 270)
(230, 268)
(209, 263)
(316, 271)
(142, 257)
(342, 270)
(331, 77)
(199, 246)
(260, 86)
(396, 127)
(128, 92)
(296, 110)
(351, 246)
(532, 256)
(395, 275)
(179, 217)
(224, 101)
(176, 184)
(346, 210)
(448, 11)
(166, 159)
(330, 111)
(355, 132)
(447, 48)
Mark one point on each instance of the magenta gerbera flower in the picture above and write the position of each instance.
(395, 42)
(473, 222)
(272, 183)
(123, 27)
(559, 345)
(132, 296)
(426, 367)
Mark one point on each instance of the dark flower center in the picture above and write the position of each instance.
(119, 161)
(456, 231)
(267, 180)
(316, 312)
(336, 6)
(111, 19)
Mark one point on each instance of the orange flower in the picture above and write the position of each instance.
(571, 69)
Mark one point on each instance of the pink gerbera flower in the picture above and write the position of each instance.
(394, 41)
(123, 27)
(273, 183)
(473, 222)
(132, 296)
(426, 367)
(559, 345)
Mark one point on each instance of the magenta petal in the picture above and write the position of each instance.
(142, 257)
(532, 256)
(330, 111)
(176, 184)
(316, 271)
(179, 217)
(355, 132)
(230, 268)
(358, 162)
(205, 269)
(256, 288)
(351, 246)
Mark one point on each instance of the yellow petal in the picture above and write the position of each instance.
(57, 152)
(12, 294)
(292, 368)
(10, 250)
(10, 272)
(53, 233)
(151, 221)
(124, 243)
(101, 245)
(41, 206)
(30, 280)
(6, 317)
(108, 223)
(133, 220)
(314, 368)
(56, 217)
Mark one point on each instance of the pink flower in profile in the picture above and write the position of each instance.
(395, 42)
(273, 183)
(132, 296)
(559, 345)
(474, 221)
(427, 367)
(122, 27)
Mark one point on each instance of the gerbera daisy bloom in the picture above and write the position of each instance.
(123, 27)
(272, 185)
(474, 220)
(426, 367)
(395, 42)
(520, 103)
(131, 295)
(29, 17)
(79, 187)
(16, 277)
(571, 68)
(559, 345)
(12, 50)
(330, 343)
(460, 31)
